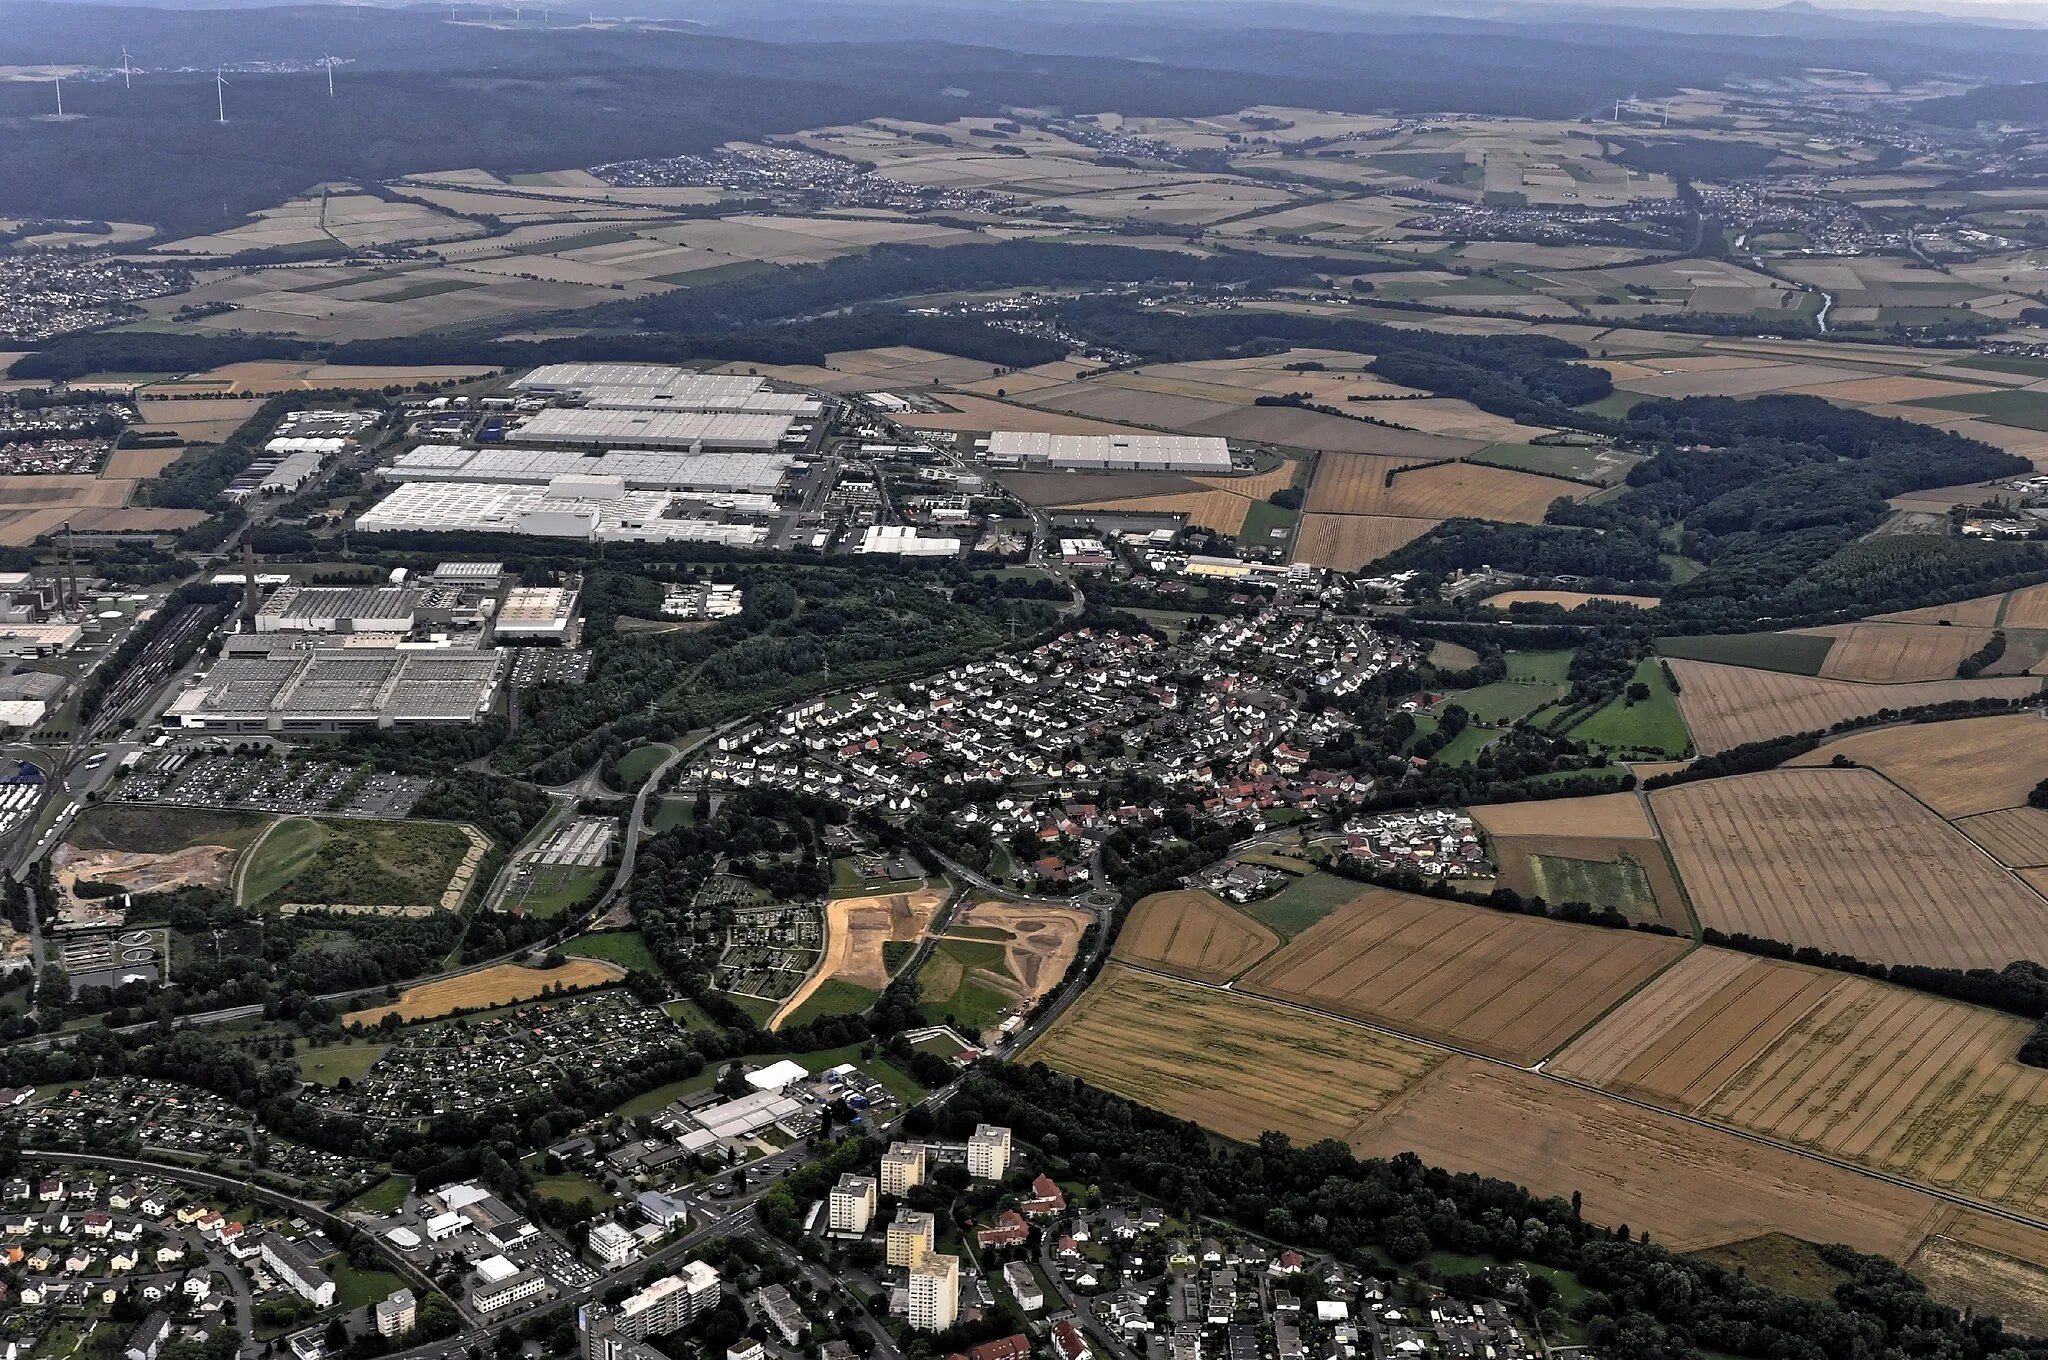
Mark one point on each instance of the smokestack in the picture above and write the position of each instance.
(70, 569)
(248, 585)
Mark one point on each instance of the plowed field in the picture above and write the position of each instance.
(1514, 987)
(1842, 860)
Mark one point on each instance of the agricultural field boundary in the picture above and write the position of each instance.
(1587, 1088)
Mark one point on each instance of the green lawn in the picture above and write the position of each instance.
(556, 245)
(1581, 462)
(689, 1014)
(1615, 405)
(833, 997)
(1651, 728)
(355, 1288)
(1303, 902)
(672, 813)
(1620, 883)
(1505, 700)
(571, 1187)
(638, 763)
(565, 892)
(1792, 653)
(623, 947)
(2027, 410)
(326, 1066)
(1539, 667)
(385, 1197)
(1683, 569)
(760, 1009)
(2002, 363)
(950, 985)
(1260, 522)
(284, 852)
(1464, 748)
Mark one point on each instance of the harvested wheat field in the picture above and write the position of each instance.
(1259, 485)
(1514, 987)
(1042, 943)
(1993, 1265)
(1981, 612)
(1568, 599)
(1231, 1063)
(1632, 877)
(1194, 934)
(1904, 1082)
(2027, 608)
(1681, 1038)
(1889, 653)
(1356, 484)
(1728, 705)
(1694, 1187)
(1843, 860)
(1619, 815)
(1957, 768)
(1222, 511)
(2015, 837)
(501, 984)
(1348, 542)
(135, 464)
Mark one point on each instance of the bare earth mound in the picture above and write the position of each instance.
(1042, 945)
(1195, 935)
(1231, 1063)
(1956, 768)
(1842, 860)
(199, 866)
(1511, 986)
(860, 926)
(1729, 705)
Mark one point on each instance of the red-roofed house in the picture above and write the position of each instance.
(1068, 1342)
(1046, 1198)
(1009, 1231)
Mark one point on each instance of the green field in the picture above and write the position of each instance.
(1683, 569)
(561, 891)
(2027, 410)
(653, 1102)
(689, 1015)
(1792, 653)
(1464, 748)
(1303, 902)
(759, 1008)
(672, 813)
(623, 947)
(326, 1066)
(1615, 405)
(1505, 700)
(2001, 363)
(385, 1197)
(638, 763)
(150, 830)
(1539, 667)
(426, 288)
(355, 1288)
(950, 986)
(833, 997)
(570, 1187)
(354, 862)
(1652, 727)
(1621, 884)
(556, 245)
(1262, 519)
(1580, 462)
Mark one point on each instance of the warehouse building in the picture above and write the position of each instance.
(758, 473)
(661, 387)
(343, 609)
(536, 614)
(592, 510)
(1110, 452)
(338, 690)
(903, 540)
(578, 427)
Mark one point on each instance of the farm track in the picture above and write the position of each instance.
(1541, 1072)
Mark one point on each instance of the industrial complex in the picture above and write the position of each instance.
(1111, 452)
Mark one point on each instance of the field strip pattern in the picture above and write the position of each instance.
(1348, 542)
(2015, 837)
(1957, 768)
(1194, 935)
(1232, 1063)
(1912, 1084)
(1843, 860)
(1602, 1052)
(1510, 986)
(1619, 815)
(1887, 653)
(1356, 484)
(1714, 1028)
(1729, 705)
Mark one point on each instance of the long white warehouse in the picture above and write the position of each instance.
(586, 428)
(1111, 452)
(760, 473)
(591, 509)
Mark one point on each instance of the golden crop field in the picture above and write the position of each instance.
(1981, 612)
(1957, 768)
(1619, 815)
(2027, 608)
(1991, 1264)
(499, 985)
(1356, 484)
(1692, 1187)
(1514, 987)
(2015, 837)
(1195, 935)
(1348, 542)
(1684, 1036)
(1222, 511)
(1569, 599)
(1841, 859)
(1887, 653)
(1229, 1062)
(1728, 705)
(1913, 1084)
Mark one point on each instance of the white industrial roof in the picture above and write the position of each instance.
(756, 472)
(672, 429)
(493, 1269)
(1175, 452)
(777, 1075)
(903, 538)
(484, 507)
(579, 377)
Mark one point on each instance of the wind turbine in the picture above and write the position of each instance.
(60, 95)
(330, 63)
(220, 93)
(127, 70)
